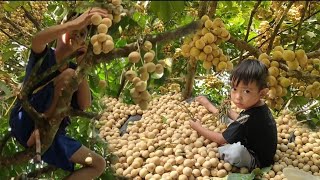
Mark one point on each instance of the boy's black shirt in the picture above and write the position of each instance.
(258, 134)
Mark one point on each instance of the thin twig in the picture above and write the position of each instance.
(314, 105)
(88, 115)
(253, 12)
(289, 28)
(299, 26)
(16, 28)
(11, 37)
(44, 170)
(31, 18)
(276, 29)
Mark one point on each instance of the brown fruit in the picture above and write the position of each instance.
(96, 19)
(107, 46)
(102, 84)
(148, 57)
(141, 86)
(151, 67)
(94, 39)
(288, 55)
(159, 69)
(277, 55)
(134, 57)
(207, 64)
(204, 18)
(130, 75)
(107, 21)
(102, 28)
(147, 45)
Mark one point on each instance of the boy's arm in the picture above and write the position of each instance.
(211, 135)
(207, 104)
(232, 114)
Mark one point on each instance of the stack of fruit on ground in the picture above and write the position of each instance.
(163, 146)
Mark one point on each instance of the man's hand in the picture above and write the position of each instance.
(85, 18)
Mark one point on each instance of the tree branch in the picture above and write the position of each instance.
(316, 46)
(89, 115)
(276, 29)
(253, 12)
(36, 173)
(160, 38)
(299, 26)
(313, 54)
(31, 18)
(16, 28)
(313, 105)
(284, 29)
(202, 8)
(240, 44)
(4, 140)
(212, 8)
(11, 37)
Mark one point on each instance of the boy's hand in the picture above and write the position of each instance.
(195, 124)
(85, 19)
(201, 99)
(207, 104)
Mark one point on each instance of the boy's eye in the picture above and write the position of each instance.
(246, 91)
(233, 89)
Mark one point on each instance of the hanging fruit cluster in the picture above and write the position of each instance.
(101, 42)
(203, 45)
(170, 87)
(211, 81)
(115, 9)
(18, 21)
(280, 80)
(265, 32)
(139, 77)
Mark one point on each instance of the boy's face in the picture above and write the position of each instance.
(246, 96)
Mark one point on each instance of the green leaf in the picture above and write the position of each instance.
(140, 19)
(120, 43)
(300, 100)
(266, 169)
(7, 7)
(164, 119)
(238, 176)
(52, 7)
(165, 10)
(5, 89)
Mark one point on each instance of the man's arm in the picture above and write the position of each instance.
(40, 40)
(211, 135)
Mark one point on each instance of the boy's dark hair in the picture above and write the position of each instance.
(250, 70)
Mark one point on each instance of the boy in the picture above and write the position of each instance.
(64, 151)
(251, 139)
